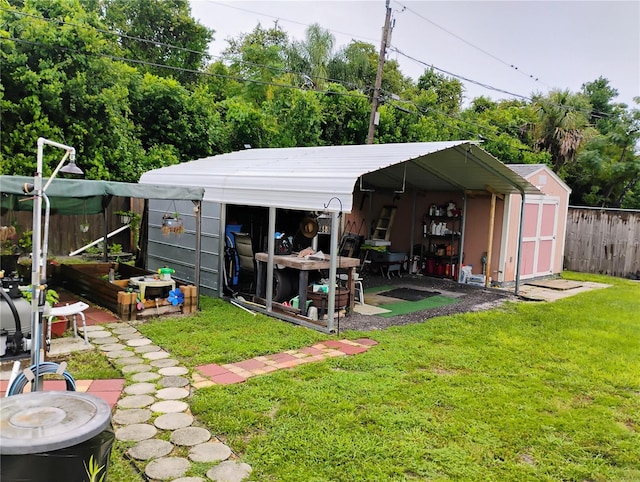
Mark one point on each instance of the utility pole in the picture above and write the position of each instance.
(376, 91)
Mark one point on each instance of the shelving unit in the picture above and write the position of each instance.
(443, 237)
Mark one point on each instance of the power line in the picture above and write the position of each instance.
(289, 21)
(480, 49)
(177, 47)
(179, 69)
(240, 79)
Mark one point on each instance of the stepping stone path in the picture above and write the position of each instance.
(159, 385)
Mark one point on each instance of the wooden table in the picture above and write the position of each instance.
(304, 265)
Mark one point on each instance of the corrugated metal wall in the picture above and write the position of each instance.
(605, 241)
(178, 251)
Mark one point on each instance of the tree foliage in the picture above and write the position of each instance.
(128, 83)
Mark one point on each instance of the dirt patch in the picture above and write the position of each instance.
(470, 298)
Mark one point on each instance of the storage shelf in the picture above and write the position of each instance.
(451, 240)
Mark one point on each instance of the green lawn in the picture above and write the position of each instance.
(530, 391)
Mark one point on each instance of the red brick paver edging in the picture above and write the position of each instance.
(213, 374)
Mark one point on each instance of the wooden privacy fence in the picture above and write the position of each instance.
(605, 241)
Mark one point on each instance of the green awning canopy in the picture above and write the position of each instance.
(79, 196)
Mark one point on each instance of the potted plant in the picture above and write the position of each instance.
(59, 324)
(125, 216)
(9, 251)
(172, 223)
(133, 220)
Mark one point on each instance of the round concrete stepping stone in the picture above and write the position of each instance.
(156, 355)
(150, 449)
(146, 348)
(104, 341)
(113, 347)
(136, 368)
(136, 401)
(130, 336)
(124, 330)
(118, 353)
(179, 382)
(229, 471)
(117, 324)
(145, 377)
(134, 415)
(95, 328)
(140, 388)
(173, 421)
(136, 432)
(168, 406)
(139, 342)
(189, 479)
(129, 360)
(209, 452)
(173, 371)
(167, 468)
(190, 436)
(172, 393)
(98, 334)
(165, 363)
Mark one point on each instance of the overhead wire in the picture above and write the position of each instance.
(260, 82)
(181, 69)
(344, 83)
(480, 49)
(177, 47)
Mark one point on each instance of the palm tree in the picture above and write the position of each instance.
(563, 125)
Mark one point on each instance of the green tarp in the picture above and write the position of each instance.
(80, 196)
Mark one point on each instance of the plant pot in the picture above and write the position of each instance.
(9, 263)
(125, 219)
(59, 326)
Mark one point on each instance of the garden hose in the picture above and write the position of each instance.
(18, 384)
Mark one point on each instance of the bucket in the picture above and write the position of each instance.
(295, 301)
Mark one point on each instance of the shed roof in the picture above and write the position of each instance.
(528, 170)
(312, 178)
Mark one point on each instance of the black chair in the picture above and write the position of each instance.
(246, 261)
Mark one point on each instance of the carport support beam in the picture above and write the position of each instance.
(492, 220)
(333, 272)
(519, 254)
(271, 243)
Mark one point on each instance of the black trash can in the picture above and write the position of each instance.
(47, 436)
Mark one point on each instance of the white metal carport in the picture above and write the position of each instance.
(324, 179)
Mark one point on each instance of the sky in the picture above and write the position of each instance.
(521, 47)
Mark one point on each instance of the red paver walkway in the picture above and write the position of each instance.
(108, 390)
(213, 374)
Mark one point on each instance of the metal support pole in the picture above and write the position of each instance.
(333, 271)
(271, 243)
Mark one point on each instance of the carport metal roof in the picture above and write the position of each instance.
(307, 178)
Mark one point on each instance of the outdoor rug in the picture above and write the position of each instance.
(408, 294)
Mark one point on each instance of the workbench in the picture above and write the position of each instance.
(304, 265)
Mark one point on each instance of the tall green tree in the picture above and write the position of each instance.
(607, 168)
(258, 59)
(160, 33)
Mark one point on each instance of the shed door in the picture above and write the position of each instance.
(539, 236)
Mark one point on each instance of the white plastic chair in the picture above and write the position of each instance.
(69, 310)
(359, 289)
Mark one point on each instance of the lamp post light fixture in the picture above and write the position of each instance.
(38, 260)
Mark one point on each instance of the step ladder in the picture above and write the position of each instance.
(385, 222)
